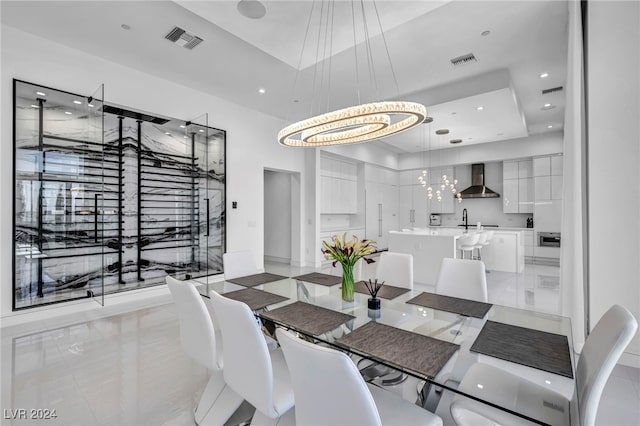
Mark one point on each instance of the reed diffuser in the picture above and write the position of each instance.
(373, 287)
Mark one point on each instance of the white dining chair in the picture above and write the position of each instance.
(238, 264)
(199, 340)
(462, 278)
(258, 375)
(600, 353)
(395, 269)
(329, 390)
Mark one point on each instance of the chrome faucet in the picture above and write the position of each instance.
(465, 218)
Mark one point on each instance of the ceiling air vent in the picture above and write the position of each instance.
(183, 38)
(552, 90)
(463, 60)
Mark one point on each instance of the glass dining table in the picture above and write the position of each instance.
(430, 339)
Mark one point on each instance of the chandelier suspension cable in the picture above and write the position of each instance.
(386, 48)
(367, 40)
(304, 43)
(354, 124)
(355, 52)
(328, 91)
(314, 91)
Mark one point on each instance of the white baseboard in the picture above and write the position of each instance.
(629, 359)
(276, 259)
(113, 304)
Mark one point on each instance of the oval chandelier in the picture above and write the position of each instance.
(355, 124)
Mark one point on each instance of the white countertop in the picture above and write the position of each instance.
(488, 228)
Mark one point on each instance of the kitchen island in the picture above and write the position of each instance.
(429, 246)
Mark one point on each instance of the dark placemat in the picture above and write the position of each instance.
(469, 308)
(307, 318)
(256, 299)
(386, 291)
(533, 348)
(318, 278)
(415, 352)
(257, 279)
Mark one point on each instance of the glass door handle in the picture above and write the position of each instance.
(95, 218)
(207, 217)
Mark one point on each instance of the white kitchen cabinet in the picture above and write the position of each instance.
(542, 188)
(510, 199)
(528, 243)
(405, 204)
(338, 196)
(541, 166)
(385, 210)
(338, 186)
(420, 206)
(510, 170)
(525, 169)
(556, 187)
(548, 178)
(505, 252)
(557, 168)
(525, 195)
(517, 186)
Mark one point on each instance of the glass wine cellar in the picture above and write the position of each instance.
(107, 199)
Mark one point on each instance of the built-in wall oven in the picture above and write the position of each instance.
(549, 239)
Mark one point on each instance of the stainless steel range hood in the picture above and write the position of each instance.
(477, 188)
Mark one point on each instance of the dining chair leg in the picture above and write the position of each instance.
(217, 403)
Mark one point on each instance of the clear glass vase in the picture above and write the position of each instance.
(347, 283)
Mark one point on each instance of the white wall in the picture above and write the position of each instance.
(251, 135)
(277, 216)
(613, 82)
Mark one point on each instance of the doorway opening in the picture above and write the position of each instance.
(282, 202)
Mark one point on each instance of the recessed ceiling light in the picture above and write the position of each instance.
(261, 91)
(480, 108)
(182, 126)
(547, 105)
(67, 112)
(550, 126)
(41, 94)
(34, 106)
(90, 105)
(480, 386)
(185, 137)
(125, 27)
(77, 102)
(453, 113)
(251, 9)
(201, 131)
(485, 33)
(442, 132)
(455, 141)
(167, 133)
(547, 382)
(295, 101)
(544, 75)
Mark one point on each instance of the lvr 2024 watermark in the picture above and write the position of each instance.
(29, 413)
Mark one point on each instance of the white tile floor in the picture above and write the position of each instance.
(124, 365)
